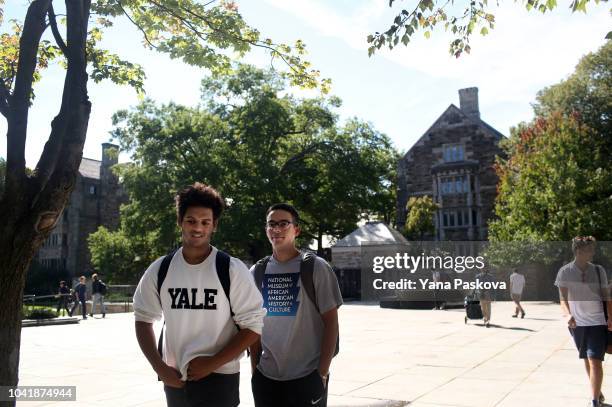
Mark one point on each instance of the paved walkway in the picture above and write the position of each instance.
(387, 358)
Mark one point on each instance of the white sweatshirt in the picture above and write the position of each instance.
(196, 310)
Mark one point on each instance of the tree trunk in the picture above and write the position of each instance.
(16, 253)
(320, 242)
(31, 206)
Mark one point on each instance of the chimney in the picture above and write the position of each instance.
(468, 102)
(110, 154)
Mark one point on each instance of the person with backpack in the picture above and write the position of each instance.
(300, 335)
(62, 294)
(98, 291)
(585, 301)
(212, 310)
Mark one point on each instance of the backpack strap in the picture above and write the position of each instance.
(306, 277)
(161, 276)
(222, 261)
(163, 271)
(260, 271)
(603, 297)
(306, 272)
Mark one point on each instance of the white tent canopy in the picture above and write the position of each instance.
(346, 253)
(372, 232)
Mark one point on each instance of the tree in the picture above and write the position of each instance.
(556, 183)
(557, 180)
(421, 212)
(31, 204)
(586, 92)
(114, 256)
(463, 20)
(257, 148)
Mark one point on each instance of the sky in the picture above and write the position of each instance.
(401, 92)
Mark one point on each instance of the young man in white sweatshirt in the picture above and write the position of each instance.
(291, 362)
(206, 329)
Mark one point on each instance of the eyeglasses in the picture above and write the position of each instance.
(282, 224)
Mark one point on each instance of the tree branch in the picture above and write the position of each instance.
(184, 21)
(137, 25)
(19, 103)
(211, 26)
(302, 154)
(69, 127)
(56, 34)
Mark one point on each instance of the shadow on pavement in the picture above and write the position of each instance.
(512, 328)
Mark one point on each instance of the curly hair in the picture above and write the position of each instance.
(199, 194)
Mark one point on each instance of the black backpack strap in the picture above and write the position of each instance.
(601, 292)
(161, 276)
(306, 272)
(163, 271)
(306, 277)
(260, 271)
(222, 261)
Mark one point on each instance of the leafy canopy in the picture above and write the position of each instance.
(257, 146)
(462, 19)
(206, 34)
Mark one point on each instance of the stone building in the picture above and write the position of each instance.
(94, 202)
(453, 163)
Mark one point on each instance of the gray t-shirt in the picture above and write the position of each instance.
(293, 329)
(584, 294)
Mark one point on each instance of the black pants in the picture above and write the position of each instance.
(83, 307)
(307, 391)
(62, 304)
(215, 390)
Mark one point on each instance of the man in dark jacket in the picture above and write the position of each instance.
(98, 291)
(63, 293)
(80, 290)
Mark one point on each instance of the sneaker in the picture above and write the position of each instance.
(601, 398)
(91, 315)
(594, 403)
(514, 316)
(487, 324)
(84, 317)
(522, 315)
(103, 315)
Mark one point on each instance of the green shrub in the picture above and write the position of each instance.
(39, 313)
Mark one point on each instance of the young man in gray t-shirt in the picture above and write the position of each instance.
(583, 289)
(291, 362)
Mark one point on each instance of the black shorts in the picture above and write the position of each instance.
(591, 341)
(307, 391)
(215, 390)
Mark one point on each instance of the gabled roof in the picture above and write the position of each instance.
(452, 109)
(90, 168)
(378, 232)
